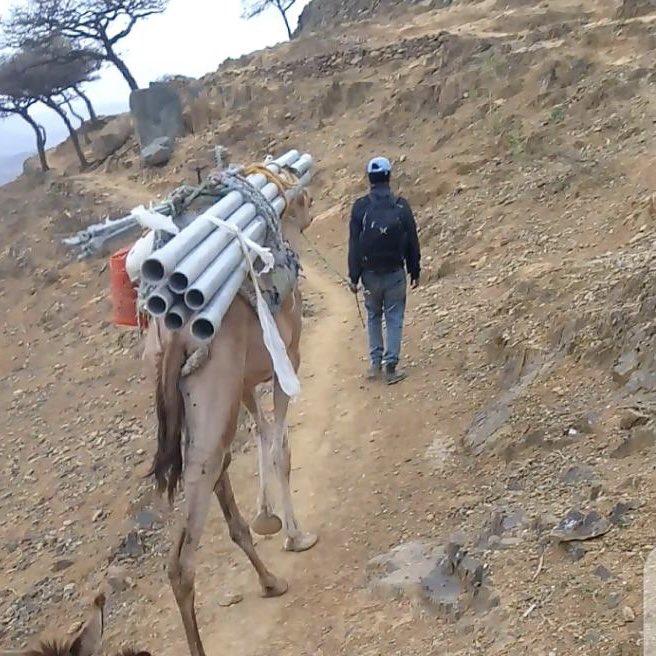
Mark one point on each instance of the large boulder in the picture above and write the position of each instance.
(114, 135)
(158, 152)
(157, 112)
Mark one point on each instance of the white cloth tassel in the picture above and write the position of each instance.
(281, 364)
(149, 218)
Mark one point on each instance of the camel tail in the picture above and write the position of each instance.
(167, 463)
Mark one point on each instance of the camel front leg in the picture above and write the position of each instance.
(295, 538)
(241, 536)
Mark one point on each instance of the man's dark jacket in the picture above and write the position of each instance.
(412, 253)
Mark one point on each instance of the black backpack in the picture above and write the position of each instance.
(382, 239)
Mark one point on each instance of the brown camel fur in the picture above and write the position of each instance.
(85, 642)
(204, 405)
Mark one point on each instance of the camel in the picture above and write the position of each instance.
(85, 642)
(204, 405)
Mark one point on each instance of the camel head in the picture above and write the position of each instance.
(85, 642)
(298, 211)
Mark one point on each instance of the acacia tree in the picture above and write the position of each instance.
(20, 107)
(70, 64)
(253, 8)
(31, 76)
(93, 25)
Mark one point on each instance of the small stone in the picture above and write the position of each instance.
(614, 600)
(117, 578)
(574, 552)
(593, 636)
(628, 614)
(620, 510)
(641, 440)
(132, 546)
(146, 519)
(230, 599)
(627, 363)
(578, 474)
(61, 565)
(631, 417)
(577, 526)
(603, 573)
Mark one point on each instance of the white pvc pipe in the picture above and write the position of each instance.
(177, 316)
(303, 164)
(216, 274)
(208, 283)
(160, 301)
(196, 261)
(215, 293)
(207, 323)
(162, 262)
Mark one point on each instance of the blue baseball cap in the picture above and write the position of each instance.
(379, 165)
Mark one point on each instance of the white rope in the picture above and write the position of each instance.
(275, 346)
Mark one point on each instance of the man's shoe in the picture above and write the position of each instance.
(393, 376)
(374, 372)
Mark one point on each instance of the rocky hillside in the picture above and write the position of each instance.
(514, 467)
(331, 15)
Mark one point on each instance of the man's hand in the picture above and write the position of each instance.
(414, 283)
(353, 287)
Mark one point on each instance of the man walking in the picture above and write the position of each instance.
(383, 243)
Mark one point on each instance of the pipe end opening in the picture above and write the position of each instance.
(156, 305)
(178, 282)
(153, 270)
(195, 299)
(202, 329)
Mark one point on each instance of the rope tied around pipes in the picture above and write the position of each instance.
(236, 181)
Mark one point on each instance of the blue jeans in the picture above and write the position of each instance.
(384, 295)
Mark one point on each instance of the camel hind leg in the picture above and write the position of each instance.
(199, 481)
(211, 413)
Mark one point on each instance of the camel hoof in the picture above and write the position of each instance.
(265, 524)
(275, 588)
(301, 542)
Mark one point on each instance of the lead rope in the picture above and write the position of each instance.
(341, 276)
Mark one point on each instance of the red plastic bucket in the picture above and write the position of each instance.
(123, 293)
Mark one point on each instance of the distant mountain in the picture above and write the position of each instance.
(11, 166)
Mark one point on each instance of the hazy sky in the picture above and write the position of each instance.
(192, 38)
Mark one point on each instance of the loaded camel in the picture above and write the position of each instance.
(84, 642)
(204, 405)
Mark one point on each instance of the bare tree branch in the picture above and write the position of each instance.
(94, 26)
(253, 8)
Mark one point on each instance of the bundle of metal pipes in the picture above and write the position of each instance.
(200, 270)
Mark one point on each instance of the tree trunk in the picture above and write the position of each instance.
(283, 13)
(120, 65)
(93, 117)
(81, 129)
(40, 139)
(49, 102)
